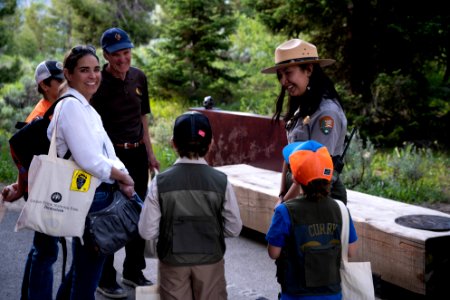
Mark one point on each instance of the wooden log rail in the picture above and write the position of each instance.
(414, 259)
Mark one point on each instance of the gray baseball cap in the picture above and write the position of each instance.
(48, 68)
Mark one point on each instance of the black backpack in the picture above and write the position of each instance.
(31, 139)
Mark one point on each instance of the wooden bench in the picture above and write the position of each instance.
(417, 260)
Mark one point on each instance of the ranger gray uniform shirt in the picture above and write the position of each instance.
(327, 125)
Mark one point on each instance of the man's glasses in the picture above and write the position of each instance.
(83, 49)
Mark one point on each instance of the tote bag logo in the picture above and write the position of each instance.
(56, 197)
(81, 181)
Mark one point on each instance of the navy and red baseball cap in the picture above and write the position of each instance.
(192, 128)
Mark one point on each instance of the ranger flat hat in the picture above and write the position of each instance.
(296, 52)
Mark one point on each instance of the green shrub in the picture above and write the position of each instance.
(16, 102)
(8, 171)
(165, 155)
(164, 113)
(161, 127)
(167, 109)
(406, 174)
(358, 161)
(10, 68)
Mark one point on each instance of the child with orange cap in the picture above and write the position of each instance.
(304, 236)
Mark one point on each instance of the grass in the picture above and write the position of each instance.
(165, 155)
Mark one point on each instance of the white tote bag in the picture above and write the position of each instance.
(59, 195)
(356, 277)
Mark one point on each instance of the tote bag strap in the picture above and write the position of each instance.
(52, 150)
(345, 229)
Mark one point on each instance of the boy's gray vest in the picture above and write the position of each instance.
(191, 199)
(310, 261)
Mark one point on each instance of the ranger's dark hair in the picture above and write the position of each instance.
(320, 86)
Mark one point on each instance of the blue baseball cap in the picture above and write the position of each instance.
(309, 161)
(115, 39)
(305, 145)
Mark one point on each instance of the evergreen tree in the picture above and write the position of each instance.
(7, 10)
(377, 45)
(9, 67)
(194, 46)
(93, 17)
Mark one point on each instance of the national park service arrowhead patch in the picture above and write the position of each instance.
(326, 124)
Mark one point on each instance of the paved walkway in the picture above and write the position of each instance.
(249, 271)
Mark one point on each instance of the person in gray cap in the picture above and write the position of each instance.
(190, 208)
(49, 76)
(37, 280)
(122, 101)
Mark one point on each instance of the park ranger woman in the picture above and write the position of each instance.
(313, 111)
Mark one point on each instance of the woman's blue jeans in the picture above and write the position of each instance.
(37, 280)
(82, 279)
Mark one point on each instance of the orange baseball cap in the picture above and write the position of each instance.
(309, 160)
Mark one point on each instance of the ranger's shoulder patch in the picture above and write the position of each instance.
(326, 124)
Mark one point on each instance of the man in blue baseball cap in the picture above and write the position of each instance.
(123, 103)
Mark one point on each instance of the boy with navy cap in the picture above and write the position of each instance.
(122, 101)
(190, 209)
(304, 236)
